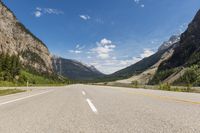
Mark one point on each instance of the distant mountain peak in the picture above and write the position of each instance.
(172, 40)
(75, 70)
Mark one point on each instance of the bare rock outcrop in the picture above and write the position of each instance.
(16, 39)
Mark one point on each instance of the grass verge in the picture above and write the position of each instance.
(10, 91)
(164, 87)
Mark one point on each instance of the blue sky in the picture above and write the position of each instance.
(109, 34)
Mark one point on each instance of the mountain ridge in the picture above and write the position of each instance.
(186, 58)
(75, 70)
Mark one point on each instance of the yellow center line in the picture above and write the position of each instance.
(164, 97)
(159, 97)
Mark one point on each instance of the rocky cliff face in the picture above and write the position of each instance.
(184, 65)
(16, 39)
(188, 51)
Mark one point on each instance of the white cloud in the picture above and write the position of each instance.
(38, 8)
(52, 11)
(40, 11)
(146, 53)
(75, 51)
(137, 1)
(111, 65)
(104, 48)
(85, 17)
(108, 63)
(37, 14)
(104, 58)
(78, 49)
(105, 42)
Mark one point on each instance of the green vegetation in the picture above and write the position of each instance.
(35, 79)
(191, 77)
(12, 73)
(10, 91)
(9, 68)
(166, 87)
(162, 75)
(135, 84)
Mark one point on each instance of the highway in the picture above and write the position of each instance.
(99, 109)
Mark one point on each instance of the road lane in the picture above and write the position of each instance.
(124, 110)
(22, 98)
(68, 110)
(63, 110)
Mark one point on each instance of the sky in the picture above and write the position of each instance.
(108, 34)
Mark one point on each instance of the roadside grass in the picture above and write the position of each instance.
(10, 91)
(11, 84)
(164, 87)
(7, 84)
(33, 81)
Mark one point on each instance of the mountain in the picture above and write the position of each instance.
(15, 39)
(18, 43)
(184, 65)
(75, 70)
(146, 68)
(23, 57)
(173, 39)
(144, 76)
(189, 49)
(176, 62)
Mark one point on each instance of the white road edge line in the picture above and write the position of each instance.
(83, 92)
(19, 99)
(93, 108)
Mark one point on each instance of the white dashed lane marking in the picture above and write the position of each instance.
(93, 108)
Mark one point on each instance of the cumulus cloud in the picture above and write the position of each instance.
(111, 65)
(104, 48)
(104, 57)
(41, 11)
(108, 62)
(85, 17)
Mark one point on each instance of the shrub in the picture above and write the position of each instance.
(166, 87)
(162, 75)
(135, 84)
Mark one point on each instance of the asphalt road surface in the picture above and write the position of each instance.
(99, 109)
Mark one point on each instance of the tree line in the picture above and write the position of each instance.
(9, 67)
